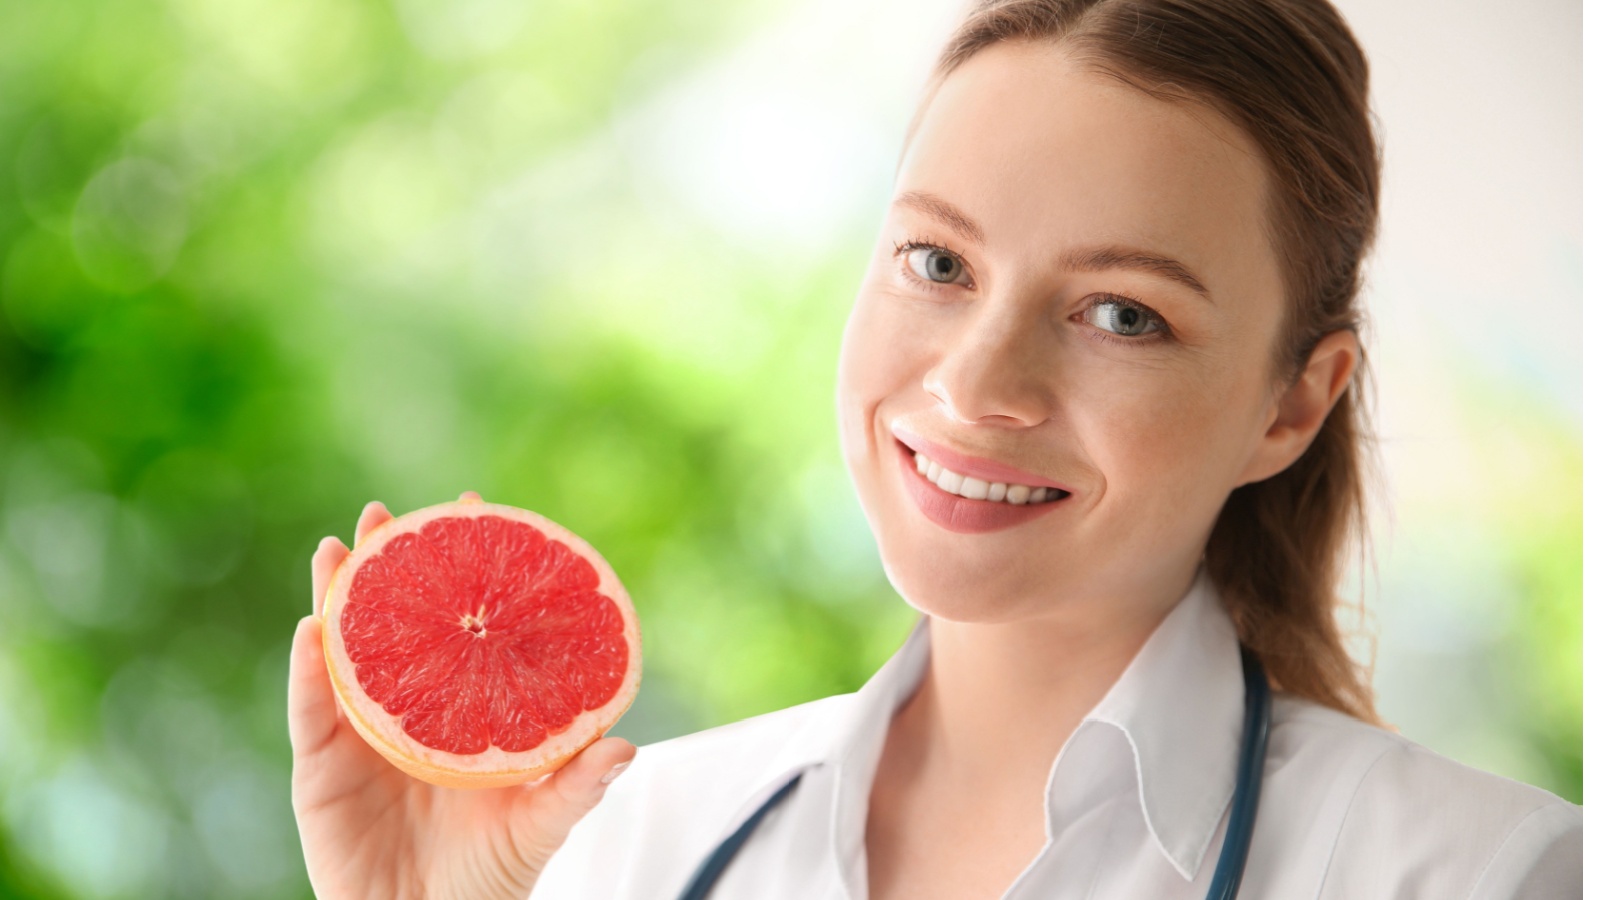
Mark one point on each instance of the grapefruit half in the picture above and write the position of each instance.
(479, 645)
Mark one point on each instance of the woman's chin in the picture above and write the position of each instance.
(947, 592)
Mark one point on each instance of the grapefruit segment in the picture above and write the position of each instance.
(479, 645)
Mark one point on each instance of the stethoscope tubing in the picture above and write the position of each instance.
(711, 869)
(1247, 784)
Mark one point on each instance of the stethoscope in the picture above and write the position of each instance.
(1235, 844)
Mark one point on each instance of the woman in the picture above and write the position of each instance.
(1100, 399)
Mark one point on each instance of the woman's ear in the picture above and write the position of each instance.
(1298, 414)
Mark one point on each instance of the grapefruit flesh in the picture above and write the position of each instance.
(479, 645)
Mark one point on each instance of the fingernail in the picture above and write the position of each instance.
(616, 770)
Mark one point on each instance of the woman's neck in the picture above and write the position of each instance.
(998, 701)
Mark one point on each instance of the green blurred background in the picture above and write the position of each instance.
(266, 261)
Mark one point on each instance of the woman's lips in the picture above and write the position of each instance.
(959, 514)
(976, 466)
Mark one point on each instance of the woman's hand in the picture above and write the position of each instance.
(370, 830)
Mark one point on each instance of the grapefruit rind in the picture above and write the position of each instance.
(493, 767)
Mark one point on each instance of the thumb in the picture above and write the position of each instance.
(560, 800)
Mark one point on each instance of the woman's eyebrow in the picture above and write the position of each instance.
(1090, 259)
(944, 211)
(1099, 259)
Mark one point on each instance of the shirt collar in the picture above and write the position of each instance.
(1179, 703)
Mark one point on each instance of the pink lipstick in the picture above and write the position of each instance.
(960, 514)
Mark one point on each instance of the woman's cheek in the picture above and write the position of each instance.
(1146, 434)
(867, 356)
(885, 342)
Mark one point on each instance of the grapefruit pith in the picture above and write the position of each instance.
(479, 645)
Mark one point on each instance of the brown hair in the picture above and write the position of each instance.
(1290, 74)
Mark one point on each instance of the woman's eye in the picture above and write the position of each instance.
(1122, 318)
(935, 264)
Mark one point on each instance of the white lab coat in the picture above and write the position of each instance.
(1347, 811)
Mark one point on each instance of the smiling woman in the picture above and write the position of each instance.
(1057, 318)
(1100, 397)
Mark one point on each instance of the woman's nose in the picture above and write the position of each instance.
(992, 371)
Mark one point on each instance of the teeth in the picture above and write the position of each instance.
(978, 489)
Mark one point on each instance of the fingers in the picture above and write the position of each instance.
(329, 554)
(580, 779)
(313, 710)
(332, 551)
(373, 515)
(470, 496)
(550, 807)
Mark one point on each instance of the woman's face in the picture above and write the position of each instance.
(1073, 288)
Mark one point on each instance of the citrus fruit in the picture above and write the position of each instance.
(479, 645)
